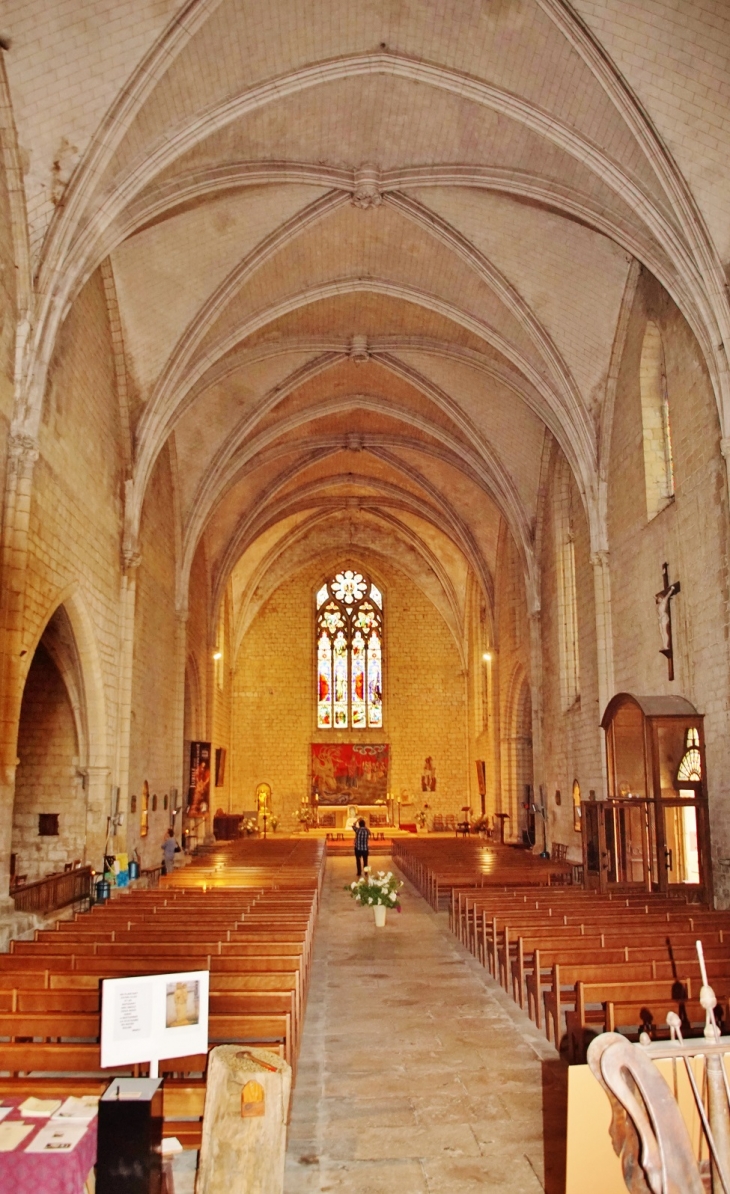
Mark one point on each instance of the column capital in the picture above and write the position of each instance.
(23, 448)
(131, 559)
(600, 559)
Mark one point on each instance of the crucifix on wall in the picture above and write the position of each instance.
(664, 614)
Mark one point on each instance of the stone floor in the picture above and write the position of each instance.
(417, 1074)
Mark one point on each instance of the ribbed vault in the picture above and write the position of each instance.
(368, 263)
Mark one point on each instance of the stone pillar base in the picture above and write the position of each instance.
(244, 1125)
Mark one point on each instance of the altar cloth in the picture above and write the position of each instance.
(51, 1173)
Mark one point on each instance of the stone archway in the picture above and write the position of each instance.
(64, 691)
(50, 807)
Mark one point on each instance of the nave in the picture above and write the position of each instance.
(417, 1073)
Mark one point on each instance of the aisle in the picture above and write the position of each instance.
(417, 1074)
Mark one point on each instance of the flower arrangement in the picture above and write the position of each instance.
(250, 826)
(376, 888)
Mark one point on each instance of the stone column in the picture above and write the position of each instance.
(604, 638)
(98, 807)
(127, 603)
(538, 770)
(22, 456)
(178, 728)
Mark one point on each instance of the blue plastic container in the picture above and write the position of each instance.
(103, 890)
(133, 869)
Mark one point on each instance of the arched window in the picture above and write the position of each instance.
(349, 653)
(656, 431)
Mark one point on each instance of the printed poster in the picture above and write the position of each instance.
(199, 787)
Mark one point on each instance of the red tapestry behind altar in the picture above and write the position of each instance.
(349, 774)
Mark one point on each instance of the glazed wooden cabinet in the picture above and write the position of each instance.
(652, 831)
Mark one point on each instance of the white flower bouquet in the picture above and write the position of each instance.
(380, 887)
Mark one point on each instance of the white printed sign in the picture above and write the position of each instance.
(153, 1016)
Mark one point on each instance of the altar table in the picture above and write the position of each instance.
(33, 1173)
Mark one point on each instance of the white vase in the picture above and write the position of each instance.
(380, 911)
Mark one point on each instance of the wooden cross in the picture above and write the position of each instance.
(664, 614)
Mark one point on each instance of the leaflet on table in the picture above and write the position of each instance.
(57, 1137)
(39, 1108)
(4, 1111)
(82, 1110)
(154, 1016)
(12, 1133)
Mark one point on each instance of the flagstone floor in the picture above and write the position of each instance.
(417, 1074)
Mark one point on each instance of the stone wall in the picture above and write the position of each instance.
(274, 714)
(690, 534)
(47, 779)
(76, 513)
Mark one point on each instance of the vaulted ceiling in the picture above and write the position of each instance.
(369, 258)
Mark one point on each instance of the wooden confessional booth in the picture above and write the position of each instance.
(653, 831)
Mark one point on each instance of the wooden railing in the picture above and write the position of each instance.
(55, 891)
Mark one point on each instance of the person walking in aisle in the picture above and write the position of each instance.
(168, 852)
(362, 837)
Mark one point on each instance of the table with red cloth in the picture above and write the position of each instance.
(46, 1173)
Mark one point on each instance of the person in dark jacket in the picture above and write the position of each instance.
(362, 837)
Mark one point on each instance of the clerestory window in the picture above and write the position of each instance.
(656, 429)
(349, 653)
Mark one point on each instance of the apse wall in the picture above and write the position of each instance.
(274, 712)
(689, 534)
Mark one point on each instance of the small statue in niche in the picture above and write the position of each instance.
(428, 778)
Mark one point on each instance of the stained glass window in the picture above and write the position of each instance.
(349, 653)
(690, 768)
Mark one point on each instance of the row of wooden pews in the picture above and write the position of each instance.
(435, 867)
(246, 912)
(580, 963)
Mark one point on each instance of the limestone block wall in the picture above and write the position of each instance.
(153, 748)
(76, 512)
(47, 780)
(690, 534)
(572, 738)
(273, 717)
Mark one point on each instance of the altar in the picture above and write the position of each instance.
(342, 817)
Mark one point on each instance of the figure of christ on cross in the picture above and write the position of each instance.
(664, 614)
